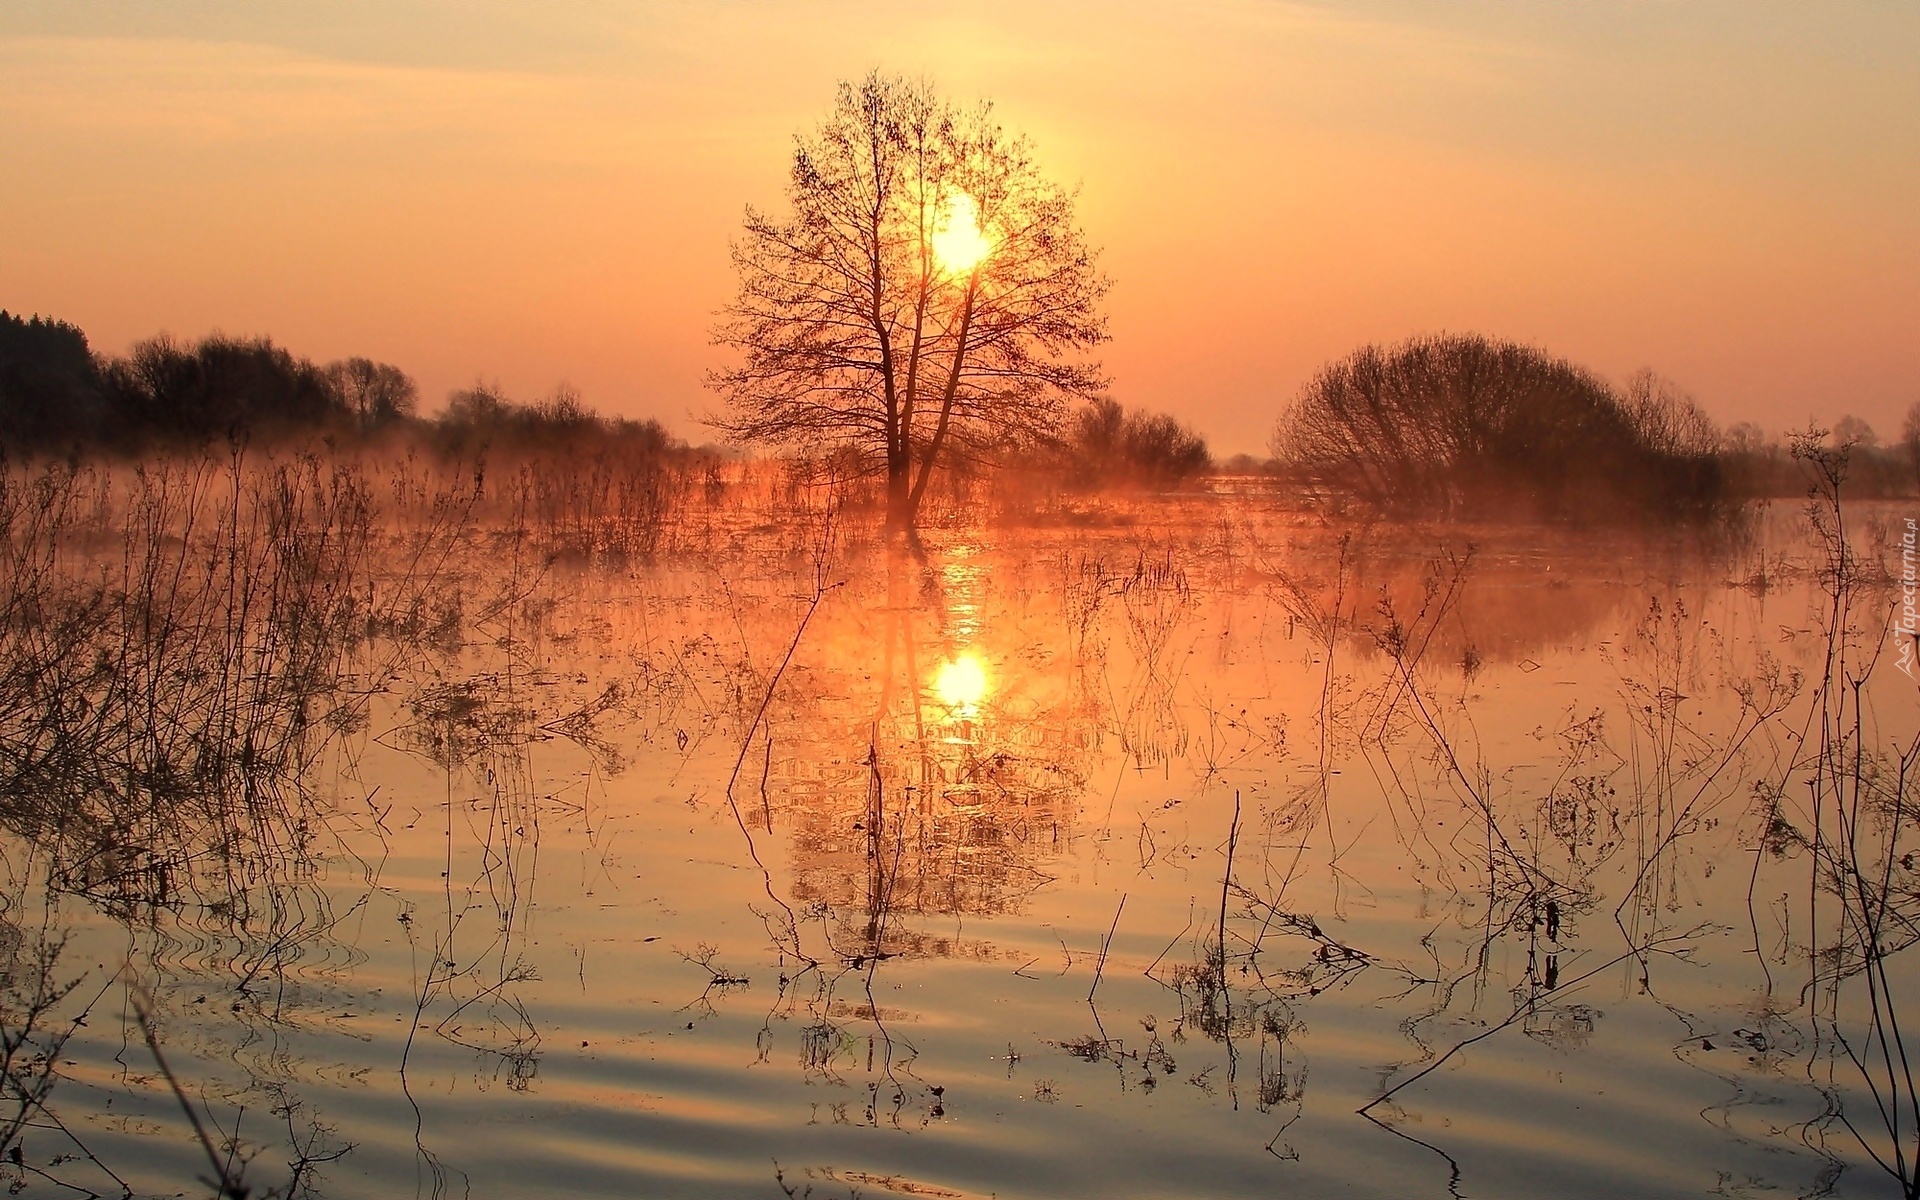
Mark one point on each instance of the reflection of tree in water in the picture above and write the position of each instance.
(941, 809)
(969, 836)
(900, 806)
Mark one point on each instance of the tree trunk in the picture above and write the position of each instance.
(946, 404)
(899, 495)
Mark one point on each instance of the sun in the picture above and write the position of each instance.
(961, 683)
(959, 244)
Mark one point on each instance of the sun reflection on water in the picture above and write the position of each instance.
(961, 683)
(963, 580)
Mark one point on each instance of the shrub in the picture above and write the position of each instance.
(1106, 444)
(1465, 425)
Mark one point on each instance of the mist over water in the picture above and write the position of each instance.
(1178, 845)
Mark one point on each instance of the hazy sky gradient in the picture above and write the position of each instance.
(529, 193)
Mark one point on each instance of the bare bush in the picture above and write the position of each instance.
(1464, 424)
(1106, 444)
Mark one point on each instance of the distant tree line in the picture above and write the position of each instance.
(55, 393)
(50, 383)
(482, 418)
(1759, 464)
(1445, 425)
(57, 396)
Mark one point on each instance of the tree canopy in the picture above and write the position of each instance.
(1450, 423)
(928, 293)
(49, 381)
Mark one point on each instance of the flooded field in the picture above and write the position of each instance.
(1197, 846)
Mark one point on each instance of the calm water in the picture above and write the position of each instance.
(798, 866)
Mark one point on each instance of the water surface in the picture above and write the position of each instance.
(1197, 848)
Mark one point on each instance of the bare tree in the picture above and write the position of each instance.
(930, 294)
(1107, 444)
(1855, 431)
(1670, 420)
(376, 394)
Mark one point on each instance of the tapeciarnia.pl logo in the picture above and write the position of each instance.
(1906, 626)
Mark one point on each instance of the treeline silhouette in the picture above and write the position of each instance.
(1448, 425)
(50, 384)
(57, 396)
(1759, 465)
(482, 418)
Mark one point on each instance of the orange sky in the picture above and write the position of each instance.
(529, 193)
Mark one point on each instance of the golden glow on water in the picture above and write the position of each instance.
(981, 763)
(963, 583)
(961, 683)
